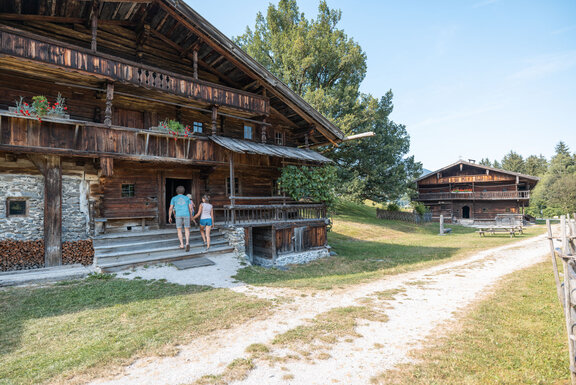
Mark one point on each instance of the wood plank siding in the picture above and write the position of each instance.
(115, 69)
(21, 134)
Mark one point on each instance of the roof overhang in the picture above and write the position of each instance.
(246, 147)
(534, 178)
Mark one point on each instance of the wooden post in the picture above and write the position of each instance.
(109, 97)
(264, 133)
(51, 169)
(232, 188)
(214, 120)
(195, 63)
(273, 246)
(95, 6)
(554, 263)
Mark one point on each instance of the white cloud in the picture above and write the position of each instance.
(485, 3)
(458, 115)
(541, 66)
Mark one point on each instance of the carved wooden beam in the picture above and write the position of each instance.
(94, 24)
(214, 120)
(109, 98)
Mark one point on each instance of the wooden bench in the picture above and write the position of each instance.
(100, 223)
(512, 230)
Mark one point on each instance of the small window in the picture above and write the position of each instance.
(236, 187)
(504, 189)
(247, 132)
(127, 190)
(484, 209)
(279, 138)
(507, 209)
(16, 208)
(197, 127)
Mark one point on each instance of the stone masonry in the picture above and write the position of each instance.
(31, 226)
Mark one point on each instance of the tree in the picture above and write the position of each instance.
(513, 162)
(535, 165)
(322, 64)
(554, 194)
(485, 162)
(496, 164)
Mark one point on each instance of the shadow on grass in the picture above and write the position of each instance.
(353, 257)
(20, 305)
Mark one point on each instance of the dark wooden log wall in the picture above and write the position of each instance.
(492, 208)
(146, 190)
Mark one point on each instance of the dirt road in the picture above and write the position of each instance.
(424, 301)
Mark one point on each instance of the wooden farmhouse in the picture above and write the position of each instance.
(468, 191)
(127, 73)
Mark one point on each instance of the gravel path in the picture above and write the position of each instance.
(429, 298)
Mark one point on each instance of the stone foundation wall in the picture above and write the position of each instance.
(75, 218)
(293, 258)
(235, 237)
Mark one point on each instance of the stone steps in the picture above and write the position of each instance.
(120, 251)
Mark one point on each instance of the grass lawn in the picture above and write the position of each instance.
(515, 337)
(70, 329)
(369, 248)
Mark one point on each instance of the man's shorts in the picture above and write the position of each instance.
(206, 222)
(182, 222)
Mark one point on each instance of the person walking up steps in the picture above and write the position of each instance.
(206, 214)
(183, 208)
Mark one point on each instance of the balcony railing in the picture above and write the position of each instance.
(275, 213)
(47, 51)
(485, 195)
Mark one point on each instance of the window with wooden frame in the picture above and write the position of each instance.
(197, 127)
(279, 138)
(248, 132)
(128, 190)
(16, 207)
(236, 187)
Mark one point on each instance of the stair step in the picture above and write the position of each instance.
(145, 244)
(127, 263)
(139, 236)
(144, 252)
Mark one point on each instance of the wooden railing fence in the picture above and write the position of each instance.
(258, 214)
(567, 290)
(403, 216)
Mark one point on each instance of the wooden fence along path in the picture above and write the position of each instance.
(403, 216)
(567, 290)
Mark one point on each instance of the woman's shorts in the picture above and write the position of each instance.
(182, 222)
(206, 222)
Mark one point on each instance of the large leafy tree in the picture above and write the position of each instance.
(321, 63)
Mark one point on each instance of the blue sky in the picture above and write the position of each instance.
(471, 78)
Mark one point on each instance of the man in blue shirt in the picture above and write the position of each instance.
(183, 208)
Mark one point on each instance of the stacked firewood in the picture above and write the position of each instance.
(77, 252)
(23, 255)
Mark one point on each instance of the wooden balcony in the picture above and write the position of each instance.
(486, 195)
(87, 139)
(250, 215)
(23, 45)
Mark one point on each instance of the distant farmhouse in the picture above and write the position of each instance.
(467, 191)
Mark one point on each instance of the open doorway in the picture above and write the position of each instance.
(466, 212)
(171, 185)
